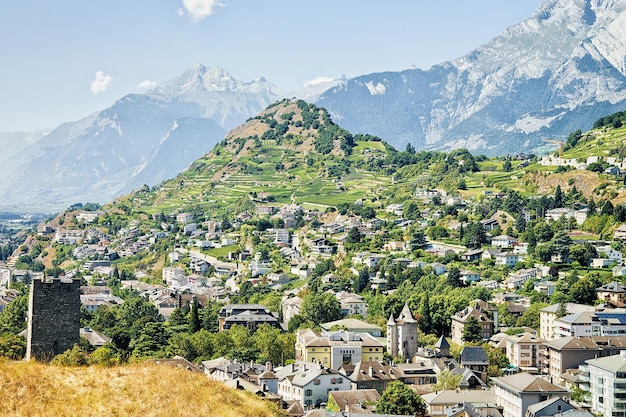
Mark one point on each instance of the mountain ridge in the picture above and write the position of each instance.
(505, 95)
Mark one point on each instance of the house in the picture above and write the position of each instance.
(367, 259)
(438, 402)
(371, 375)
(557, 213)
(248, 315)
(612, 254)
(281, 236)
(335, 349)
(309, 383)
(475, 359)
(503, 241)
(352, 304)
(601, 262)
(355, 401)
(170, 274)
(515, 393)
(522, 351)
(95, 339)
(619, 271)
(426, 195)
(438, 268)
(472, 255)
(490, 224)
(606, 377)
(468, 277)
(460, 319)
(517, 279)
(290, 306)
(554, 406)
(506, 258)
(419, 372)
(620, 232)
(613, 293)
(471, 410)
(88, 216)
(395, 209)
(545, 287)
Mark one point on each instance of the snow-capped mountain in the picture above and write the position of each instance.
(554, 73)
(141, 139)
(313, 89)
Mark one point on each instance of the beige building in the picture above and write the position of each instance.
(460, 319)
(522, 350)
(335, 349)
(557, 356)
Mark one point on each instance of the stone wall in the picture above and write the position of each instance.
(53, 317)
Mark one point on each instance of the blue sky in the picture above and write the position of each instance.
(64, 59)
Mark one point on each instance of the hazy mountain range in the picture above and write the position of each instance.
(554, 73)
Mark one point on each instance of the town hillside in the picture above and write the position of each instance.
(325, 271)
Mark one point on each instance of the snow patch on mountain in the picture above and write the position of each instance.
(379, 88)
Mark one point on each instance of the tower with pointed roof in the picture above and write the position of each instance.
(402, 334)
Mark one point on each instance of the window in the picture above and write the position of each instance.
(316, 382)
(308, 393)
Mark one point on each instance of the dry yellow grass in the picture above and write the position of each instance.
(37, 390)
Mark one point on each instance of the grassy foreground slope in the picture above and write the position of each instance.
(30, 389)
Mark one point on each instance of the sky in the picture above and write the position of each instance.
(62, 60)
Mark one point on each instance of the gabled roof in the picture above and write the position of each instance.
(573, 343)
(345, 399)
(373, 371)
(447, 397)
(533, 409)
(474, 355)
(527, 383)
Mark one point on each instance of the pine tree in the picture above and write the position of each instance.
(194, 317)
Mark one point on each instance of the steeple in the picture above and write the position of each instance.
(406, 316)
(391, 321)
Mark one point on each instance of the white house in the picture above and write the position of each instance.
(309, 383)
(555, 214)
(503, 241)
(506, 258)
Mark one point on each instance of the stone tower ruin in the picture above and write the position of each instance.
(53, 317)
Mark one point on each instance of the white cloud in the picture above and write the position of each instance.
(146, 85)
(102, 83)
(199, 9)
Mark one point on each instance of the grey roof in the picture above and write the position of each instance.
(613, 286)
(474, 354)
(570, 308)
(442, 343)
(615, 363)
(525, 382)
(460, 396)
(535, 408)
